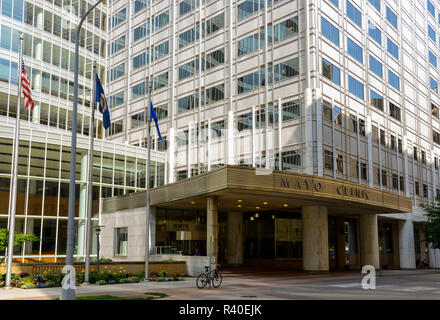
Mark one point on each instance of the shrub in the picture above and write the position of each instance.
(28, 286)
(124, 280)
(163, 273)
(112, 281)
(141, 274)
(101, 282)
(23, 274)
(50, 284)
(27, 279)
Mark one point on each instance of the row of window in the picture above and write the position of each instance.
(208, 96)
(160, 20)
(22, 11)
(141, 88)
(279, 72)
(249, 7)
(45, 82)
(275, 33)
(209, 61)
(209, 27)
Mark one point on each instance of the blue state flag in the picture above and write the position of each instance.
(103, 108)
(154, 116)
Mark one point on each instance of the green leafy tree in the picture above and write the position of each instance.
(19, 239)
(432, 226)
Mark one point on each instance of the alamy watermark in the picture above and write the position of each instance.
(369, 280)
(68, 281)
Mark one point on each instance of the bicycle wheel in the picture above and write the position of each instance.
(202, 280)
(216, 279)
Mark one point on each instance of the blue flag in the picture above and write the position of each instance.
(154, 116)
(103, 108)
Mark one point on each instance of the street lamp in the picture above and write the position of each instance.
(68, 292)
(98, 233)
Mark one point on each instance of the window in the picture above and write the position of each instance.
(244, 121)
(433, 84)
(327, 111)
(425, 191)
(339, 164)
(353, 123)
(399, 145)
(187, 6)
(161, 50)
(431, 8)
(331, 72)
(328, 160)
(140, 60)
(354, 50)
(435, 163)
(188, 69)
(402, 183)
(432, 59)
(354, 14)
(395, 181)
(161, 20)
(213, 24)
(118, 18)
(431, 33)
(217, 129)
(417, 187)
(374, 32)
(395, 111)
(362, 127)
(214, 94)
(141, 31)
(375, 3)
(213, 59)
(335, 2)
(376, 100)
(138, 90)
(375, 66)
(160, 81)
(392, 48)
(286, 70)
(187, 103)
(188, 37)
(393, 142)
(330, 31)
(117, 72)
(436, 137)
(337, 115)
(356, 87)
(290, 110)
(382, 137)
(415, 153)
(140, 4)
(116, 99)
(393, 80)
(291, 159)
(423, 156)
(391, 17)
(247, 45)
(287, 28)
(117, 45)
(384, 178)
(121, 241)
(248, 82)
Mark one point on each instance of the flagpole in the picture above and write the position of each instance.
(90, 191)
(147, 205)
(14, 173)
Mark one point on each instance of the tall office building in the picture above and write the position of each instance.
(340, 96)
(45, 138)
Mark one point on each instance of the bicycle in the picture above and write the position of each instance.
(208, 277)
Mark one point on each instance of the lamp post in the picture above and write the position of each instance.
(68, 292)
(98, 233)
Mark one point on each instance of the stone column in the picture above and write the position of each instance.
(211, 227)
(235, 238)
(82, 204)
(315, 238)
(152, 227)
(369, 240)
(406, 245)
(434, 257)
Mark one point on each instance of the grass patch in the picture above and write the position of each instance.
(155, 295)
(150, 296)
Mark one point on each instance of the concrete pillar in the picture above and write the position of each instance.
(152, 227)
(434, 257)
(211, 227)
(308, 107)
(82, 204)
(235, 238)
(36, 113)
(29, 229)
(406, 244)
(315, 238)
(171, 149)
(230, 138)
(369, 240)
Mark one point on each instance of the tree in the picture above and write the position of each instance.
(432, 226)
(19, 239)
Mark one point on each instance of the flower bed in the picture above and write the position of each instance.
(107, 276)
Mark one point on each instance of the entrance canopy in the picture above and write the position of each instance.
(250, 189)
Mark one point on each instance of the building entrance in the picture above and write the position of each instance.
(343, 243)
(272, 236)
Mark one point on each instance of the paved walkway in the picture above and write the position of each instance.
(266, 284)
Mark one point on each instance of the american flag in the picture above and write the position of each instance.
(26, 87)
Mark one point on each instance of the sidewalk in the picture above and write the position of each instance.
(235, 285)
